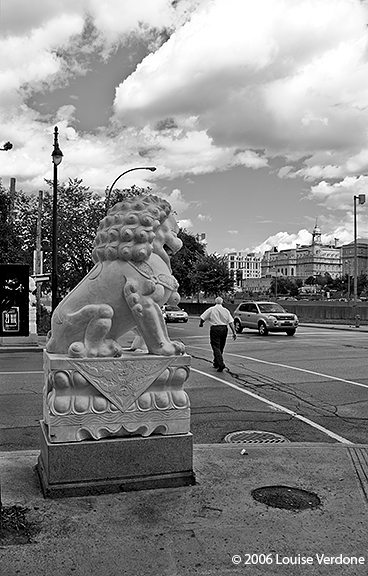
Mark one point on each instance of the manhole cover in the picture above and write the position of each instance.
(254, 437)
(286, 497)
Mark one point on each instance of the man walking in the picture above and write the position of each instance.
(219, 319)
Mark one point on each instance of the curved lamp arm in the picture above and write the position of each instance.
(151, 168)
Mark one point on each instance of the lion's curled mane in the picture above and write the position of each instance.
(128, 231)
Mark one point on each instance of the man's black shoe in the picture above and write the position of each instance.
(220, 369)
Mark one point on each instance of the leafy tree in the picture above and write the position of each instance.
(118, 195)
(212, 275)
(183, 263)
(17, 220)
(79, 213)
(362, 283)
(286, 285)
(310, 281)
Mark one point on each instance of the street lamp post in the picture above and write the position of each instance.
(361, 199)
(57, 157)
(107, 202)
(275, 269)
(7, 146)
(347, 263)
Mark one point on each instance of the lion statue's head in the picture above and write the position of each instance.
(135, 228)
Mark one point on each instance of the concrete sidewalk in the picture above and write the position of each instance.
(212, 528)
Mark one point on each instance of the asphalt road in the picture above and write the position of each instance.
(312, 387)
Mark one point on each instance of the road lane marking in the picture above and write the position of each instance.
(320, 374)
(276, 406)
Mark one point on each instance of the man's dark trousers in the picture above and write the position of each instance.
(218, 335)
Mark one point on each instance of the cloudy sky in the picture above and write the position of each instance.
(254, 112)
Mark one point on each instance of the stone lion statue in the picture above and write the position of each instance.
(125, 290)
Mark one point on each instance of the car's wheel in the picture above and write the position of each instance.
(238, 326)
(291, 332)
(262, 329)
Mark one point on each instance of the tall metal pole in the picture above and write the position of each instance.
(57, 157)
(38, 254)
(355, 255)
(361, 200)
(54, 276)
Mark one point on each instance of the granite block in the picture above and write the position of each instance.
(114, 464)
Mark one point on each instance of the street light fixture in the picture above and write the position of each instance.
(107, 201)
(7, 146)
(361, 200)
(57, 157)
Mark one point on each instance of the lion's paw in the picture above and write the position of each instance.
(109, 348)
(77, 350)
(106, 349)
(172, 348)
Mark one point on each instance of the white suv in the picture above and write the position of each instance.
(265, 317)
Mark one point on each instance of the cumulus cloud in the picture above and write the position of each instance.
(185, 223)
(341, 234)
(222, 84)
(340, 195)
(204, 217)
(269, 86)
(176, 199)
(284, 240)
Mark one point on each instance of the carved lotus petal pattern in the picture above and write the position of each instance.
(121, 382)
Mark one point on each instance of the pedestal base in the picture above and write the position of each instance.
(114, 465)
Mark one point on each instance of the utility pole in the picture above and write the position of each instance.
(38, 257)
(12, 198)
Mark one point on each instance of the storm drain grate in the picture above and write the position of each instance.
(254, 437)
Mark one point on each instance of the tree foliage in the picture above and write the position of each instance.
(79, 213)
(118, 195)
(183, 263)
(212, 275)
(18, 225)
(286, 285)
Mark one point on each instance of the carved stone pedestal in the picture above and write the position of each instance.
(114, 465)
(113, 424)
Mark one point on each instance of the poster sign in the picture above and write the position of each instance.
(10, 320)
(14, 300)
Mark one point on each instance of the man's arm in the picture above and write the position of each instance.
(231, 324)
(203, 317)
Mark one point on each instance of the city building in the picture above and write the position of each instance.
(252, 272)
(316, 259)
(348, 257)
(243, 265)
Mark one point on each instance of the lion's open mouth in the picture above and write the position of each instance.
(168, 250)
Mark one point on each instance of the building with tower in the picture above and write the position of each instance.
(316, 259)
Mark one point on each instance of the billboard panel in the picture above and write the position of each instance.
(14, 300)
